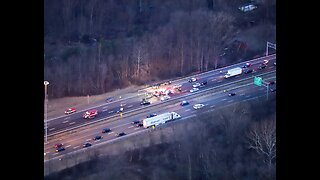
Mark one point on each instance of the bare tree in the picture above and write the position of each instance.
(262, 138)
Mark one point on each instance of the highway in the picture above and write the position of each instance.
(107, 111)
(212, 96)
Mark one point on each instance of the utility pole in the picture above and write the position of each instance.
(46, 83)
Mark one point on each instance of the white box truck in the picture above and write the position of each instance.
(160, 119)
(233, 72)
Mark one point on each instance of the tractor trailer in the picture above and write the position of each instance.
(233, 72)
(160, 119)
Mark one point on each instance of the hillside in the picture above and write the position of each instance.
(93, 47)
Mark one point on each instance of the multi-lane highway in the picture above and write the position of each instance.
(108, 111)
(212, 96)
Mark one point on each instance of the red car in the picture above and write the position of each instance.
(70, 110)
(58, 145)
(90, 114)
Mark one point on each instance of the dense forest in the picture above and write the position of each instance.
(92, 47)
(236, 142)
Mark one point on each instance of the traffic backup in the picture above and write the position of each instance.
(160, 119)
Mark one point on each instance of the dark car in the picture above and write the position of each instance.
(152, 115)
(270, 82)
(204, 83)
(231, 94)
(60, 149)
(110, 99)
(121, 134)
(87, 145)
(184, 103)
(58, 145)
(273, 89)
(246, 65)
(135, 122)
(247, 71)
(97, 138)
(145, 103)
(139, 125)
(106, 130)
(262, 66)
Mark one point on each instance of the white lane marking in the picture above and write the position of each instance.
(111, 133)
(48, 152)
(76, 147)
(130, 127)
(52, 129)
(219, 81)
(68, 146)
(130, 106)
(88, 139)
(104, 110)
(224, 99)
(72, 123)
(55, 154)
(230, 101)
(66, 118)
(65, 122)
(261, 89)
(110, 112)
(105, 107)
(212, 106)
(242, 94)
(248, 96)
(206, 104)
(187, 110)
(136, 128)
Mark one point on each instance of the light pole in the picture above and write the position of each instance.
(46, 83)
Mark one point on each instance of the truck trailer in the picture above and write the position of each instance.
(160, 119)
(233, 72)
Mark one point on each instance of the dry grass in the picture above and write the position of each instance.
(56, 107)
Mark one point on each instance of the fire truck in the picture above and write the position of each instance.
(90, 114)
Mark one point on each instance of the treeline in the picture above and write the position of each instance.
(92, 47)
(237, 142)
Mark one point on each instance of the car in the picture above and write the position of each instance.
(135, 122)
(194, 89)
(167, 82)
(145, 103)
(60, 149)
(273, 89)
(184, 103)
(196, 85)
(198, 106)
(165, 98)
(58, 145)
(70, 111)
(247, 65)
(110, 99)
(139, 125)
(86, 145)
(204, 83)
(262, 66)
(120, 134)
(270, 82)
(192, 80)
(152, 115)
(120, 110)
(265, 62)
(97, 138)
(231, 94)
(274, 63)
(247, 71)
(106, 130)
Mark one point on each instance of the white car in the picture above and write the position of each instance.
(165, 98)
(196, 85)
(194, 89)
(198, 106)
(192, 80)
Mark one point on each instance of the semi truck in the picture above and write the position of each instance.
(160, 119)
(233, 72)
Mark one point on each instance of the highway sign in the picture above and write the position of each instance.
(257, 81)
